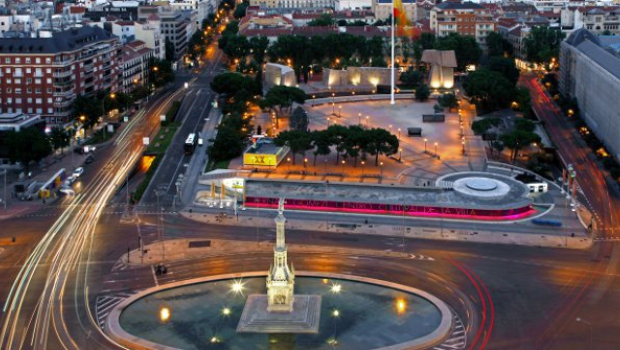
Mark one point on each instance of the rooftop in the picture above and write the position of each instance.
(65, 41)
(515, 196)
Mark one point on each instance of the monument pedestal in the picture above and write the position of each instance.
(303, 319)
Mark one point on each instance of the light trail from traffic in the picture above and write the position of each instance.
(66, 248)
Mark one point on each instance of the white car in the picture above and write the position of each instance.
(78, 172)
(69, 181)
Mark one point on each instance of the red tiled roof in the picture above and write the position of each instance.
(77, 9)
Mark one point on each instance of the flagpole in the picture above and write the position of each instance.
(393, 67)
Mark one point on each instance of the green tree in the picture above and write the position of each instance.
(259, 45)
(516, 140)
(298, 141)
(323, 20)
(506, 67)
(299, 119)
(448, 101)
(87, 110)
(240, 9)
(27, 145)
(237, 47)
(169, 47)
(410, 78)
(161, 72)
(228, 144)
(422, 93)
(280, 97)
(322, 141)
(543, 44)
(380, 142)
(482, 126)
(59, 138)
(466, 49)
(524, 101)
(495, 44)
(489, 90)
(230, 84)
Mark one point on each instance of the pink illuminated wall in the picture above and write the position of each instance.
(393, 209)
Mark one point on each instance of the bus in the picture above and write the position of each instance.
(190, 144)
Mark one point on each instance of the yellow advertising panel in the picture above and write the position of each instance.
(260, 159)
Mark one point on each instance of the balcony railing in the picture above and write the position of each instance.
(63, 63)
(62, 74)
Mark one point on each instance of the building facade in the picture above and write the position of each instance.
(465, 18)
(135, 65)
(172, 25)
(44, 75)
(590, 73)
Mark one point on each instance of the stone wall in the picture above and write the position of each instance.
(357, 76)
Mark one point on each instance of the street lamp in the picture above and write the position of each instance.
(339, 111)
(288, 160)
(590, 325)
(359, 119)
(305, 162)
(400, 154)
(367, 117)
(398, 134)
(363, 163)
(436, 148)
(381, 169)
(425, 140)
(333, 103)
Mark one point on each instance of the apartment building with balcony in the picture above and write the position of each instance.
(465, 18)
(172, 25)
(44, 75)
(135, 65)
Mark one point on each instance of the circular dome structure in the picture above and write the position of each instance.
(481, 187)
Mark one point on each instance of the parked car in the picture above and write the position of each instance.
(89, 159)
(78, 172)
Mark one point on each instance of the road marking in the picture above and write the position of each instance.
(154, 275)
(457, 340)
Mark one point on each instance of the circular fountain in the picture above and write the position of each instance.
(287, 310)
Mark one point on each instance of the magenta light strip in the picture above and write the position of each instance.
(526, 213)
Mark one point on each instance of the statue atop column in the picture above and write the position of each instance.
(280, 279)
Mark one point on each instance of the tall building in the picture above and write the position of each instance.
(44, 75)
(466, 18)
(172, 25)
(590, 73)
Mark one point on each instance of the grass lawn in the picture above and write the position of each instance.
(163, 139)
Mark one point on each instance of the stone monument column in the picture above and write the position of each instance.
(280, 279)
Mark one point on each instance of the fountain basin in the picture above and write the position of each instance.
(203, 314)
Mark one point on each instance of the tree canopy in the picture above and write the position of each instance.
(505, 66)
(543, 44)
(27, 145)
(422, 93)
(466, 49)
(489, 90)
(323, 20)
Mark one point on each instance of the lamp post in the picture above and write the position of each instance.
(436, 148)
(333, 103)
(381, 169)
(359, 119)
(463, 144)
(367, 117)
(425, 140)
(363, 163)
(400, 154)
(339, 111)
(305, 162)
(288, 161)
(398, 134)
(590, 325)
(343, 162)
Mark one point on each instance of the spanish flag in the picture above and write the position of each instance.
(400, 17)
